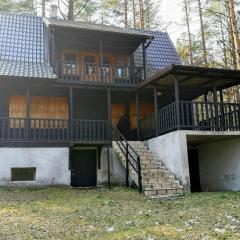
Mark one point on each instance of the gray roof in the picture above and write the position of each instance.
(95, 27)
(22, 51)
(160, 54)
(25, 69)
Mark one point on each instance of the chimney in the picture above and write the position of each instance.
(53, 13)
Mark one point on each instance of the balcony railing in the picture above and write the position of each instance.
(186, 115)
(79, 72)
(23, 129)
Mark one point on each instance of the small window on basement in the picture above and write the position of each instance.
(23, 174)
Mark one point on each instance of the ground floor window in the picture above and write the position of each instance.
(23, 174)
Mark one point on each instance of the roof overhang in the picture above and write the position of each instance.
(198, 79)
(59, 23)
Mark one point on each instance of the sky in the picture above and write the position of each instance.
(171, 12)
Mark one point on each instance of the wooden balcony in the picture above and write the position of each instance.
(90, 73)
(53, 130)
(190, 115)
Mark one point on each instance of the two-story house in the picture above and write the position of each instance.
(67, 88)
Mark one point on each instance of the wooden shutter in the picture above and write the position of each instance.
(41, 107)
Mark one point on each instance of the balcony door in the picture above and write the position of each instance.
(90, 68)
(70, 64)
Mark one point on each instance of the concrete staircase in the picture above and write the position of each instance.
(157, 181)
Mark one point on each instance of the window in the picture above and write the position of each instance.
(23, 174)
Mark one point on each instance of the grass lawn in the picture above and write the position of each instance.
(118, 213)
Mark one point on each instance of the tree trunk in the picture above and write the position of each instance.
(134, 14)
(43, 8)
(70, 10)
(202, 35)
(234, 29)
(189, 32)
(126, 13)
(141, 11)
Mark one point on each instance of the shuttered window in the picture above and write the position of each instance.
(41, 107)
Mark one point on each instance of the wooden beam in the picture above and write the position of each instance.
(101, 58)
(138, 116)
(144, 62)
(70, 102)
(176, 88)
(28, 111)
(109, 107)
(156, 110)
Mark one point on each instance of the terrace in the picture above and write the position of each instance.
(190, 98)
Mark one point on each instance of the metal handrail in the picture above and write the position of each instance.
(132, 157)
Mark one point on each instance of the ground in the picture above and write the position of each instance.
(116, 213)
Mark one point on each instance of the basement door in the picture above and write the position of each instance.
(193, 162)
(84, 168)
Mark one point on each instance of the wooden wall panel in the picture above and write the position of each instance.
(146, 108)
(41, 107)
(118, 110)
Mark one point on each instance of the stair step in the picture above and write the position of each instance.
(157, 181)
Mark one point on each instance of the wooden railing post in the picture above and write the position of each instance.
(176, 88)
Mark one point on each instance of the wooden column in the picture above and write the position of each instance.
(176, 90)
(156, 110)
(28, 122)
(144, 61)
(222, 108)
(70, 118)
(109, 107)
(138, 116)
(215, 100)
(101, 58)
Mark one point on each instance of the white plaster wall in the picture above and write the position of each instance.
(117, 172)
(51, 165)
(219, 164)
(171, 149)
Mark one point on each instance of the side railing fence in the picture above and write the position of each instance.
(34, 129)
(192, 115)
(71, 71)
(132, 158)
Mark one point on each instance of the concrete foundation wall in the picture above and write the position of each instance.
(117, 172)
(51, 165)
(171, 149)
(219, 164)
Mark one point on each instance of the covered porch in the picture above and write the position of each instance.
(190, 98)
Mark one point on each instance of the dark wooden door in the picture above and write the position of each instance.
(84, 168)
(193, 161)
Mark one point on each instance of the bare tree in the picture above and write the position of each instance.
(234, 31)
(186, 7)
(72, 11)
(204, 49)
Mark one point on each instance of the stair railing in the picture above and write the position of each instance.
(131, 156)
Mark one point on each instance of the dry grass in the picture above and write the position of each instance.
(119, 213)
